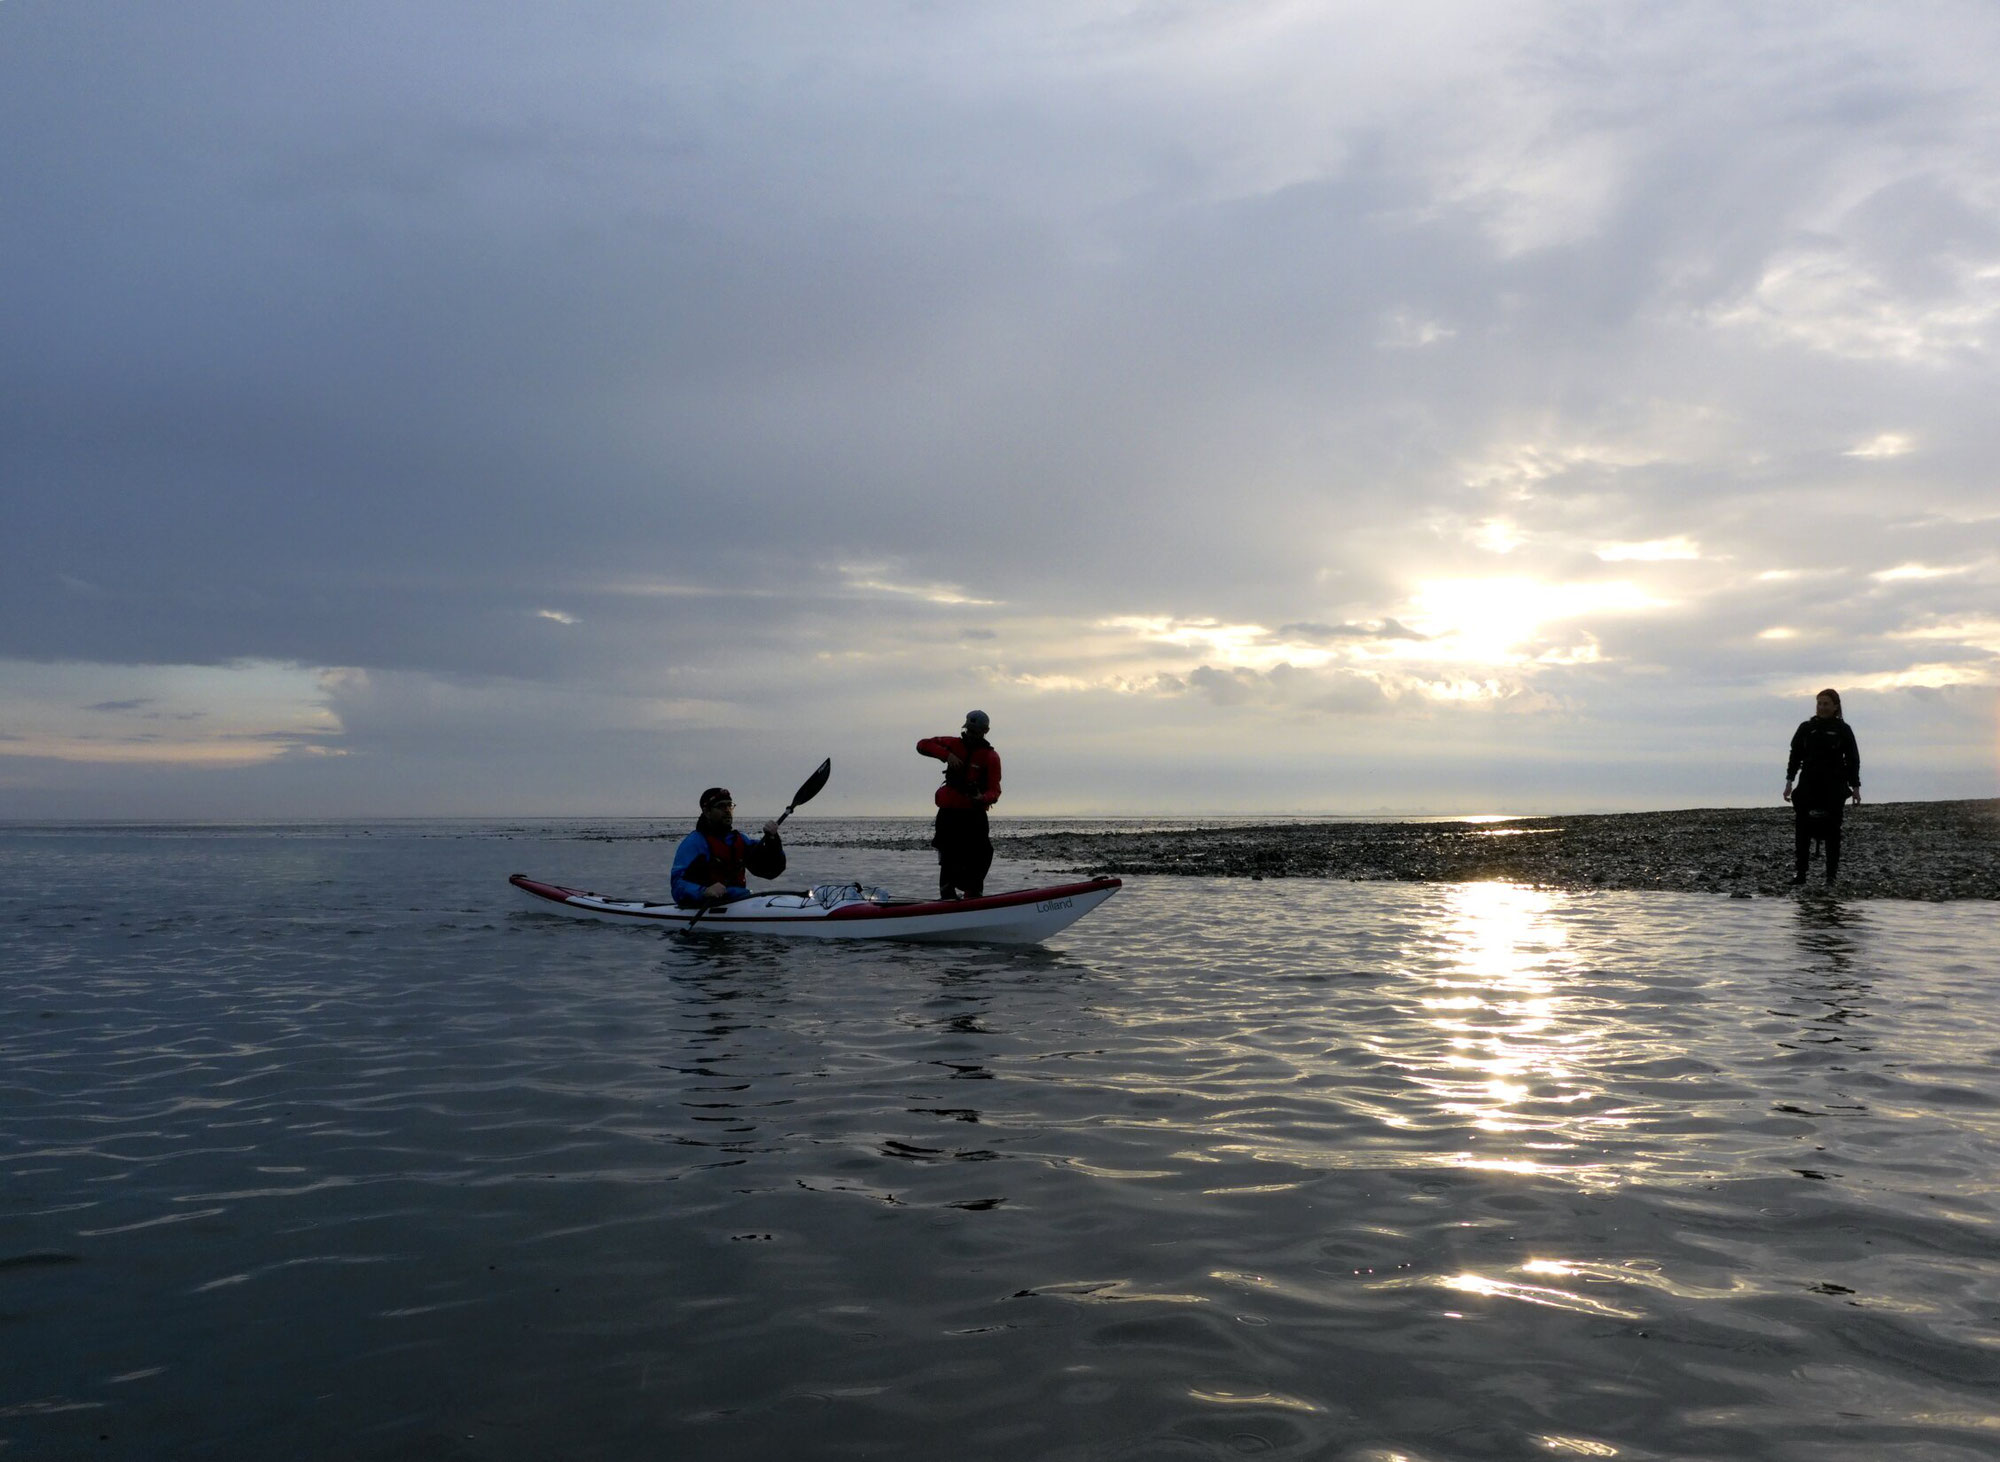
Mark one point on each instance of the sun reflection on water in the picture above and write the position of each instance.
(1515, 1046)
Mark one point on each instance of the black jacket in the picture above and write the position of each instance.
(1824, 760)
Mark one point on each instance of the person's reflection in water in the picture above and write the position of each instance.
(1827, 933)
(1833, 979)
(963, 1006)
(733, 1039)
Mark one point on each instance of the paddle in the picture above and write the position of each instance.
(808, 789)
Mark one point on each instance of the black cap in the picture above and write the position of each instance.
(714, 795)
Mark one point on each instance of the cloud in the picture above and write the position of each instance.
(1181, 374)
(1382, 629)
(1904, 572)
(236, 715)
(1883, 444)
(1829, 302)
(1335, 692)
(1654, 551)
(874, 580)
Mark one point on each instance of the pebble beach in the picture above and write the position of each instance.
(1895, 850)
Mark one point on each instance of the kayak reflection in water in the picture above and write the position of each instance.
(971, 785)
(1826, 763)
(712, 863)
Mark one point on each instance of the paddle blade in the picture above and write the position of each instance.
(809, 788)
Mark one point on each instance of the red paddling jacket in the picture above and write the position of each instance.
(976, 785)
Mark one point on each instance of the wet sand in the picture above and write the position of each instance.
(1900, 850)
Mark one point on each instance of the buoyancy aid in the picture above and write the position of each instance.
(723, 862)
(969, 779)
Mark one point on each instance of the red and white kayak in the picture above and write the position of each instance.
(849, 911)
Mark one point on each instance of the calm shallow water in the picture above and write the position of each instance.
(322, 1142)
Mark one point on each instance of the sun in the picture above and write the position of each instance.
(1514, 620)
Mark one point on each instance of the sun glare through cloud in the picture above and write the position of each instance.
(1512, 621)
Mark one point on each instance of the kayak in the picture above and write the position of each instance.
(851, 911)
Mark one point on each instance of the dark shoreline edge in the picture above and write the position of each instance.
(1932, 851)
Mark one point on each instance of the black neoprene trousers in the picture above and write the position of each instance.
(1816, 823)
(965, 851)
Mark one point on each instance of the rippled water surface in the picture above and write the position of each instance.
(322, 1142)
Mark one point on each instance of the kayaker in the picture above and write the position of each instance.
(712, 862)
(971, 785)
(1826, 764)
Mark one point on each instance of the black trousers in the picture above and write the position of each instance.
(1816, 824)
(964, 849)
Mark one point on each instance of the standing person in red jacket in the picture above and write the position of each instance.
(971, 785)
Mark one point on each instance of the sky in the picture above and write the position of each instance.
(1455, 406)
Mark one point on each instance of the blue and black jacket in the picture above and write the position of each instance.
(704, 858)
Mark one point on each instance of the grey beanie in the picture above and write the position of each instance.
(978, 719)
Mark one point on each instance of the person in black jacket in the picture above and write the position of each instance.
(1826, 765)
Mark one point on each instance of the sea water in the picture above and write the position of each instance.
(322, 1142)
